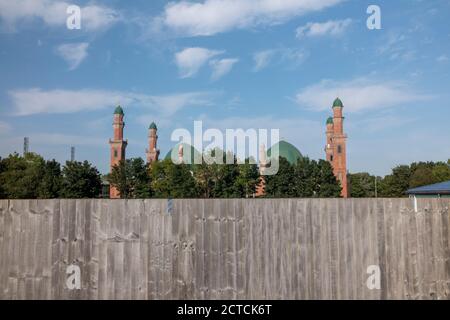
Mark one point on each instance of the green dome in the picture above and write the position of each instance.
(338, 103)
(118, 110)
(153, 126)
(194, 154)
(330, 120)
(287, 151)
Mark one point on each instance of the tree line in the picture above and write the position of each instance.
(32, 177)
(401, 179)
(164, 179)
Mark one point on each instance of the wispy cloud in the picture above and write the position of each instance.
(36, 101)
(190, 60)
(4, 127)
(53, 13)
(73, 53)
(215, 16)
(291, 56)
(442, 58)
(221, 67)
(357, 95)
(316, 29)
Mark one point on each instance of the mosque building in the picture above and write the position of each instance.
(335, 149)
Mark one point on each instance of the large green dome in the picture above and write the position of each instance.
(153, 126)
(195, 155)
(118, 110)
(287, 151)
(338, 103)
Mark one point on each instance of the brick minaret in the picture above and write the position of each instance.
(152, 151)
(336, 149)
(118, 146)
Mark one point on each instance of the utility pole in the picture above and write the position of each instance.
(376, 187)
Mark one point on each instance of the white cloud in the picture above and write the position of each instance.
(36, 101)
(315, 29)
(262, 59)
(53, 13)
(222, 67)
(357, 95)
(190, 60)
(290, 56)
(215, 16)
(442, 58)
(73, 53)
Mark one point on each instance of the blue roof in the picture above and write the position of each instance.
(438, 188)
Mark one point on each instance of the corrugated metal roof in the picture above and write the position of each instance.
(438, 188)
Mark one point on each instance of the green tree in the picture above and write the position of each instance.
(21, 176)
(396, 184)
(441, 172)
(248, 179)
(131, 178)
(50, 185)
(362, 185)
(80, 180)
(327, 186)
(421, 176)
(169, 180)
(282, 184)
(304, 186)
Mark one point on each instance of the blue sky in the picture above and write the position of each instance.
(233, 64)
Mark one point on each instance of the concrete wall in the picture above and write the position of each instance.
(225, 249)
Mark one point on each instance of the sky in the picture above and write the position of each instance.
(231, 64)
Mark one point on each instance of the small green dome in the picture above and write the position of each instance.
(287, 151)
(118, 110)
(338, 103)
(330, 120)
(195, 155)
(153, 126)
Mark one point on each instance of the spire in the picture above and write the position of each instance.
(338, 103)
(118, 110)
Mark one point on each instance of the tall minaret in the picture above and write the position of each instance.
(152, 151)
(118, 146)
(336, 149)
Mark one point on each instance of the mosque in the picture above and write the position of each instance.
(335, 148)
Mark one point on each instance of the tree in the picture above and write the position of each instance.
(21, 176)
(441, 172)
(421, 176)
(169, 180)
(304, 181)
(396, 184)
(362, 185)
(248, 179)
(327, 186)
(131, 178)
(80, 180)
(50, 185)
(282, 184)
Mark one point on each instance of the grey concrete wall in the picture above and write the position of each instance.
(225, 249)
